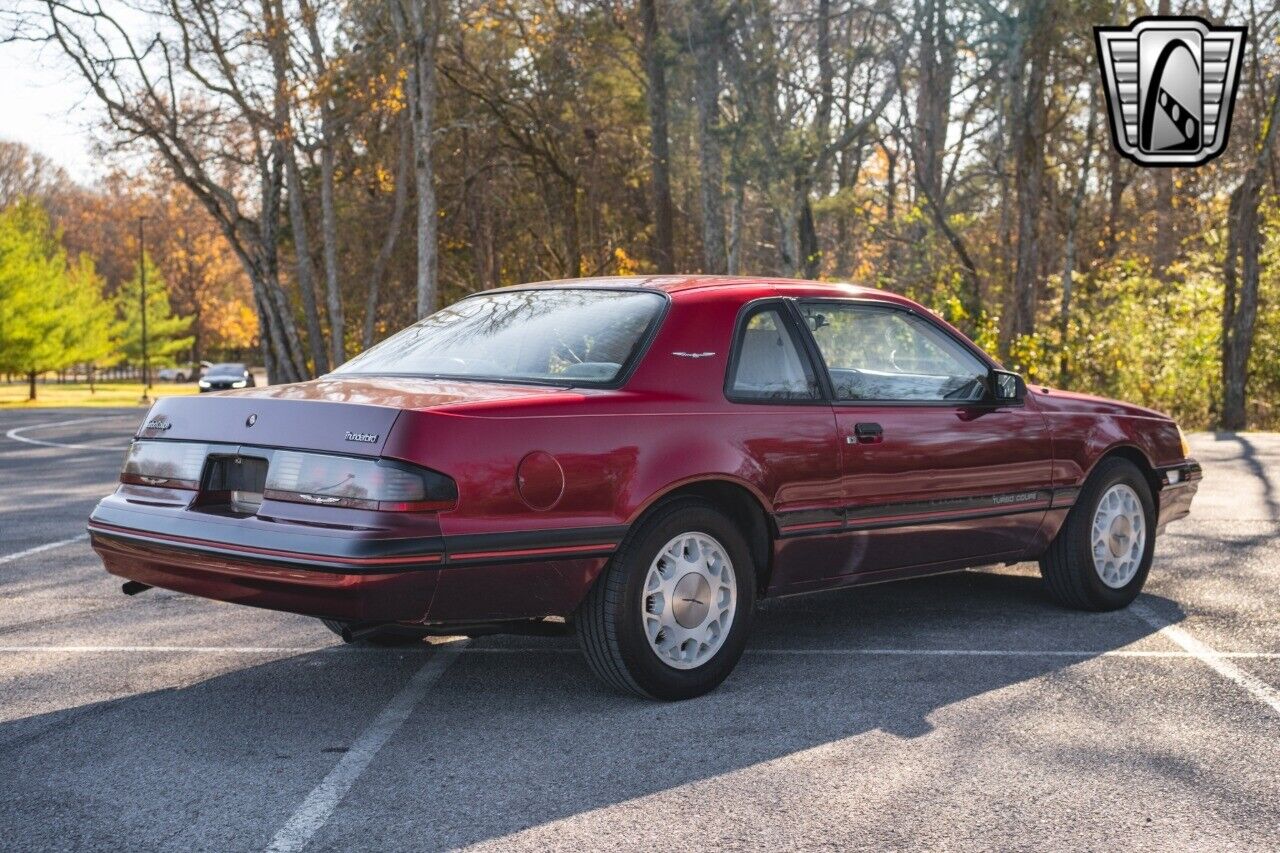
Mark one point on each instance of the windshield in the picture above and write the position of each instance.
(226, 368)
(570, 336)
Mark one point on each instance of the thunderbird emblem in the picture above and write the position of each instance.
(1170, 84)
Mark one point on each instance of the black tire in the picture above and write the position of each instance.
(609, 623)
(389, 638)
(1068, 566)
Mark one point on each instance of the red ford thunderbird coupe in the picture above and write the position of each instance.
(639, 460)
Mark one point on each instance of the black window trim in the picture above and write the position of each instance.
(625, 373)
(815, 354)
(788, 314)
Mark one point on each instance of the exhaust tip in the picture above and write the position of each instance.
(358, 631)
(134, 587)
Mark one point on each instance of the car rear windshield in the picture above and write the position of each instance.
(561, 336)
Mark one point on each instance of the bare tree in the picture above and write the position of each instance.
(1036, 25)
(1241, 270)
(185, 93)
(419, 23)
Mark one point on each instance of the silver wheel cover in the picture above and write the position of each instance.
(1118, 537)
(689, 600)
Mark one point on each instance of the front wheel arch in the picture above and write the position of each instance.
(1140, 461)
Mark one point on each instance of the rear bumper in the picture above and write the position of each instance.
(1178, 485)
(366, 576)
(363, 596)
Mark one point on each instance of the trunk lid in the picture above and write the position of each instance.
(352, 416)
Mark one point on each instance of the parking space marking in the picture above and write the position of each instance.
(16, 433)
(870, 652)
(1259, 689)
(48, 546)
(324, 799)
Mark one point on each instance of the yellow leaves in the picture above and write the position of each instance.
(626, 265)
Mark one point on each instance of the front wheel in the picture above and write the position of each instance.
(1100, 558)
(669, 616)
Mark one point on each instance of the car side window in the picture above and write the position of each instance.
(882, 354)
(767, 365)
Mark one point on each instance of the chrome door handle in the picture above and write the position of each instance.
(866, 433)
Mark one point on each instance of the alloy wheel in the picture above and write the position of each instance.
(1119, 536)
(690, 596)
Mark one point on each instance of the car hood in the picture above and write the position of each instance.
(1055, 400)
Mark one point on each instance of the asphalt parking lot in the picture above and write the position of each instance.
(958, 712)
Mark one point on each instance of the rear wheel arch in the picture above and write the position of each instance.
(741, 504)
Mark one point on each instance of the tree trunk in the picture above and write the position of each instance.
(31, 385)
(306, 270)
(1029, 174)
(424, 36)
(1166, 244)
(1240, 274)
(933, 100)
(329, 226)
(1069, 252)
(572, 230)
(810, 251)
(329, 131)
(655, 63)
(737, 209)
(707, 37)
(398, 204)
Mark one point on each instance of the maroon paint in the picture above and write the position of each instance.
(536, 461)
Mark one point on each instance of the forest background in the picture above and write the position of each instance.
(313, 175)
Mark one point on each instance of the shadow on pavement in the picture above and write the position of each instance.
(1249, 453)
(518, 738)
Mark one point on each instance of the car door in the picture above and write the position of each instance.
(933, 473)
(784, 424)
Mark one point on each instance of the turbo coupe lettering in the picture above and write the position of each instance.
(640, 461)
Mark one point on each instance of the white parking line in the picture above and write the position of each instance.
(508, 650)
(48, 546)
(16, 433)
(1258, 688)
(324, 799)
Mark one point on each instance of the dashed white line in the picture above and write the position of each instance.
(48, 546)
(17, 433)
(1258, 688)
(324, 799)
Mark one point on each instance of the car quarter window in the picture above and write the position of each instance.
(883, 354)
(767, 365)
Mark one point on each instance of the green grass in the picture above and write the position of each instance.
(13, 395)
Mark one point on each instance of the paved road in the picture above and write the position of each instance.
(951, 713)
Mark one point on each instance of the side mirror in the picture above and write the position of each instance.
(1007, 387)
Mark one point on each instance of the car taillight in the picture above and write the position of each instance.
(165, 464)
(343, 481)
(320, 479)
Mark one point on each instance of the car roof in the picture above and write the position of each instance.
(743, 287)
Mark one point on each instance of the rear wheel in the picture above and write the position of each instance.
(1101, 556)
(388, 637)
(669, 616)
